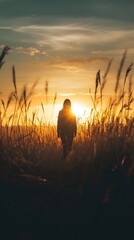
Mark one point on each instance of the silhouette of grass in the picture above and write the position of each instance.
(96, 171)
(104, 141)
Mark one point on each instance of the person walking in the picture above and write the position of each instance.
(66, 127)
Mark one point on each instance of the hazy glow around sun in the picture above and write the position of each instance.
(78, 110)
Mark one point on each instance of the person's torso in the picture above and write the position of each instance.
(67, 122)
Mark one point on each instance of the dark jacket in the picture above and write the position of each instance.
(66, 126)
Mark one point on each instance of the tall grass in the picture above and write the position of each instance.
(103, 143)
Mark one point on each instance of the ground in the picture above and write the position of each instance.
(39, 208)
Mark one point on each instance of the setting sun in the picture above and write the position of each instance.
(78, 110)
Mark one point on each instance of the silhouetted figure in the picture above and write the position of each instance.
(66, 127)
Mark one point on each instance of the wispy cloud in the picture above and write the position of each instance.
(2, 45)
(29, 51)
(72, 65)
(76, 36)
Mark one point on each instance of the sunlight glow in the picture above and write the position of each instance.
(78, 110)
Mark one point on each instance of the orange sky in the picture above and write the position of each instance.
(64, 48)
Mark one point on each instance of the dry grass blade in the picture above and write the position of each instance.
(14, 80)
(7, 105)
(130, 85)
(43, 108)
(32, 88)
(98, 79)
(46, 87)
(54, 101)
(126, 75)
(46, 91)
(33, 117)
(25, 96)
(119, 71)
(29, 104)
(55, 97)
(10, 118)
(97, 82)
(104, 80)
(127, 72)
(9, 100)
(130, 94)
(108, 68)
(3, 54)
(106, 73)
(3, 104)
(20, 100)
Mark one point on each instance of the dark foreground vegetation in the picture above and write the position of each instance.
(33, 208)
(90, 194)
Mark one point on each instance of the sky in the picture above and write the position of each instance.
(64, 43)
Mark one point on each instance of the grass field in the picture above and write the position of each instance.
(91, 189)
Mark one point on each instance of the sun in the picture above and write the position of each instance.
(78, 109)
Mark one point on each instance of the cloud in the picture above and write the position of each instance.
(70, 41)
(29, 51)
(77, 36)
(2, 45)
(7, 28)
(71, 65)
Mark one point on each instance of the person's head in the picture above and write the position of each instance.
(67, 104)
